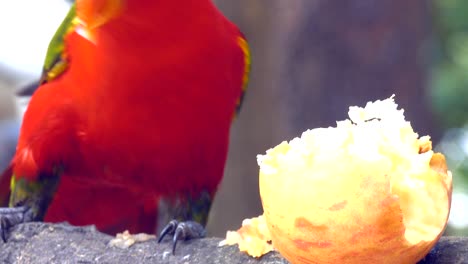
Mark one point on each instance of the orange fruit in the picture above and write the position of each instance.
(366, 191)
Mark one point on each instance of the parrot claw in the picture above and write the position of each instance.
(182, 231)
(10, 217)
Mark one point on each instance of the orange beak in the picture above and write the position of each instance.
(95, 13)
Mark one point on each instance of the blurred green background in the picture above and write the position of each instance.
(449, 92)
(311, 60)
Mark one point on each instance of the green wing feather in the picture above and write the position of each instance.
(37, 195)
(56, 58)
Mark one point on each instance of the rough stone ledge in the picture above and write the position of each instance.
(62, 243)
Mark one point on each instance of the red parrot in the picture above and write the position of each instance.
(130, 125)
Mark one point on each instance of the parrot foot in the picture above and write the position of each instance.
(182, 231)
(10, 217)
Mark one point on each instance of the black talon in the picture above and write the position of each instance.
(10, 217)
(168, 229)
(4, 223)
(182, 231)
(175, 238)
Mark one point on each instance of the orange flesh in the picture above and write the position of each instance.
(367, 190)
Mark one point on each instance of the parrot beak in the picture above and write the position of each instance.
(91, 14)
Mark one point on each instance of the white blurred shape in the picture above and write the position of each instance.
(464, 140)
(21, 106)
(458, 212)
(26, 27)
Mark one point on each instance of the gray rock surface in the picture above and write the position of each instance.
(62, 243)
(448, 250)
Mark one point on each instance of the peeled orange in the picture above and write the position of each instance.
(369, 190)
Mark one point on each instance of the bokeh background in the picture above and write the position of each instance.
(311, 60)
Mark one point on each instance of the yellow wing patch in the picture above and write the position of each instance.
(247, 61)
(242, 42)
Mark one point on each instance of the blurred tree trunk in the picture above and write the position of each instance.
(341, 53)
(254, 130)
(312, 59)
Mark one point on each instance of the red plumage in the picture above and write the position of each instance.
(142, 113)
